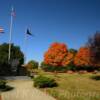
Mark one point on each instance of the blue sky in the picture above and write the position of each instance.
(67, 21)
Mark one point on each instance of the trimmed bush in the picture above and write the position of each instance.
(87, 68)
(42, 82)
(50, 68)
(71, 67)
(4, 87)
(32, 65)
(2, 84)
(97, 77)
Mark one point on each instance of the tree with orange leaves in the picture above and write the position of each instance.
(69, 59)
(55, 54)
(83, 57)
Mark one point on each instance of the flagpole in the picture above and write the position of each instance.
(10, 36)
(25, 41)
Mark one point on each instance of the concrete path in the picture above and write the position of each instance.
(24, 90)
(11, 78)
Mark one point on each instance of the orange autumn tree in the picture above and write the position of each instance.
(55, 54)
(69, 59)
(83, 57)
(68, 62)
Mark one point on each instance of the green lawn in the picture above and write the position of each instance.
(74, 86)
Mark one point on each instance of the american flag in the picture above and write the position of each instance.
(1, 30)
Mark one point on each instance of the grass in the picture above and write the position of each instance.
(74, 86)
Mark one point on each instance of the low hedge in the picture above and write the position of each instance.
(96, 77)
(4, 87)
(50, 68)
(2, 84)
(43, 81)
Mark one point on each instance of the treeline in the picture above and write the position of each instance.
(59, 58)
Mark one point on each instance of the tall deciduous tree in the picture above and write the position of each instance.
(32, 65)
(69, 59)
(94, 45)
(55, 54)
(16, 53)
(83, 57)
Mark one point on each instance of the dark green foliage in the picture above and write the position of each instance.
(71, 67)
(87, 68)
(5, 67)
(43, 65)
(96, 77)
(58, 69)
(2, 84)
(42, 82)
(7, 88)
(50, 68)
(4, 87)
(73, 51)
(33, 64)
(94, 45)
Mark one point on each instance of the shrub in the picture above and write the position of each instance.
(2, 84)
(97, 77)
(42, 82)
(71, 67)
(32, 65)
(44, 66)
(50, 68)
(87, 68)
(4, 87)
(55, 68)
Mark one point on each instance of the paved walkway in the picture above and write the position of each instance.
(11, 78)
(24, 90)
